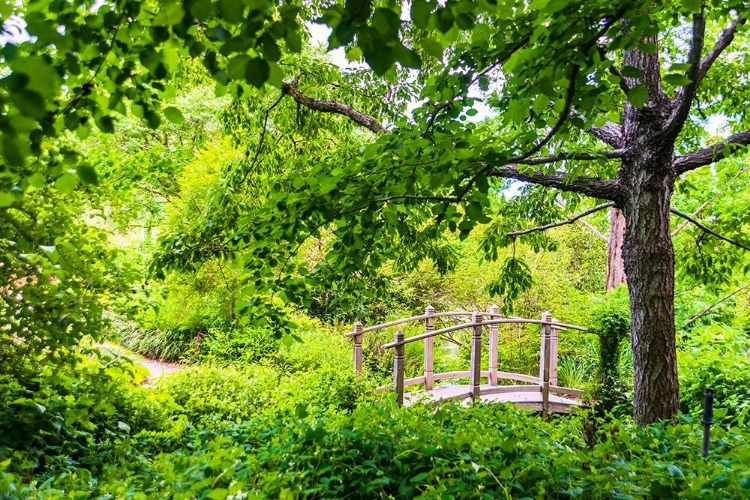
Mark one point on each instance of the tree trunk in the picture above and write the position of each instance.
(615, 265)
(649, 263)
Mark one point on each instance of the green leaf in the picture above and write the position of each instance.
(30, 103)
(677, 80)
(67, 182)
(257, 72)
(174, 115)
(420, 12)
(631, 72)
(6, 199)
(218, 494)
(87, 174)
(169, 15)
(638, 95)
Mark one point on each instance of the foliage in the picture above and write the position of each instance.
(610, 321)
(716, 356)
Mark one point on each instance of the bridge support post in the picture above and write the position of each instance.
(553, 354)
(429, 347)
(493, 345)
(358, 327)
(476, 355)
(398, 367)
(544, 362)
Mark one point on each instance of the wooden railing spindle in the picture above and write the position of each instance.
(358, 327)
(493, 346)
(398, 367)
(553, 354)
(544, 362)
(476, 355)
(429, 347)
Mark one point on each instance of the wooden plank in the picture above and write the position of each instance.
(494, 340)
(503, 389)
(358, 348)
(545, 361)
(483, 323)
(553, 354)
(476, 355)
(566, 390)
(519, 377)
(413, 381)
(398, 368)
(429, 347)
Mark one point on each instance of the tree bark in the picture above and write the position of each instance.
(649, 264)
(647, 177)
(615, 265)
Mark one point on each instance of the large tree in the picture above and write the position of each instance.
(561, 75)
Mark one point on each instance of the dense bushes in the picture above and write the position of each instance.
(716, 357)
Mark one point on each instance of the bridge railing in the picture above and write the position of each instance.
(546, 382)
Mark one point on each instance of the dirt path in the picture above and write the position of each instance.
(155, 367)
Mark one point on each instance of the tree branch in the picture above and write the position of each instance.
(606, 189)
(367, 121)
(707, 230)
(609, 133)
(684, 97)
(725, 38)
(711, 154)
(708, 309)
(590, 211)
(707, 203)
(588, 226)
(597, 155)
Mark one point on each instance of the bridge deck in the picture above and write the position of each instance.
(529, 400)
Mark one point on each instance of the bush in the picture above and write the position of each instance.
(716, 356)
(79, 417)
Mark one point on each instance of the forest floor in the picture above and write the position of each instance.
(154, 367)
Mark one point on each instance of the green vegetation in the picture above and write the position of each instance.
(197, 182)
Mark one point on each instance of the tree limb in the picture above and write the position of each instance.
(707, 230)
(588, 226)
(597, 155)
(590, 211)
(607, 189)
(367, 121)
(684, 97)
(708, 309)
(609, 133)
(711, 154)
(707, 203)
(725, 38)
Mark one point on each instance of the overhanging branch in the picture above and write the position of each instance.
(684, 97)
(607, 189)
(564, 222)
(708, 230)
(711, 154)
(367, 121)
(725, 38)
(597, 155)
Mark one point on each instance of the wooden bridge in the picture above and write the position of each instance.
(541, 393)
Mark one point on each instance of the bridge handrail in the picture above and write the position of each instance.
(557, 326)
(420, 318)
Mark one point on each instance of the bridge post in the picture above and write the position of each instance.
(429, 347)
(358, 327)
(398, 367)
(493, 346)
(476, 355)
(553, 354)
(544, 361)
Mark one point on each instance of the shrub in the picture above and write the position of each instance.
(716, 356)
